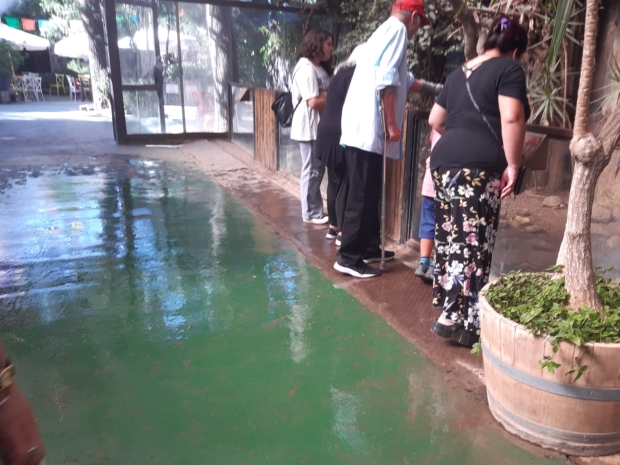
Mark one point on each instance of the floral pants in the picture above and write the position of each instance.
(467, 207)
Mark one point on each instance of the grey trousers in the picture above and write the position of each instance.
(312, 171)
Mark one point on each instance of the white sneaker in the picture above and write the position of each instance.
(322, 220)
(338, 242)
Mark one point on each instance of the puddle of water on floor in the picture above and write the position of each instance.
(154, 320)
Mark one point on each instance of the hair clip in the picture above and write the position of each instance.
(504, 23)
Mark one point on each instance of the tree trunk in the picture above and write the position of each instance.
(92, 17)
(576, 250)
(590, 155)
(470, 29)
(219, 30)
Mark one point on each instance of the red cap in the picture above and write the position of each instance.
(415, 6)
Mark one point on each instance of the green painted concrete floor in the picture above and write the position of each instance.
(154, 320)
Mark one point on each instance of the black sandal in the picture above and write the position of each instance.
(464, 337)
(444, 330)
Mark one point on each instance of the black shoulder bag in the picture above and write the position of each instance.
(283, 108)
(521, 174)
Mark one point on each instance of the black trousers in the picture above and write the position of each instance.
(361, 230)
(337, 191)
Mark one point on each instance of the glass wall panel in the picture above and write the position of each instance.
(265, 45)
(530, 234)
(135, 42)
(171, 67)
(142, 112)
(188, 54)
(198, 84)
(289, 156)
(243, 117)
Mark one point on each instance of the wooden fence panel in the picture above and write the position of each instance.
(395, 179)
(394, 196)
(265, 136)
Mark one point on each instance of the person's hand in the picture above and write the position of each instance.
(20, 442)
(394, 133)
(509, 178)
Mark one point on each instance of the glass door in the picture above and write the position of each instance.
(141, 68)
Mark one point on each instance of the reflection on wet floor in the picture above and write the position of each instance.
(154, 320)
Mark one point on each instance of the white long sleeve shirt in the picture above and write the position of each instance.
(384, 64)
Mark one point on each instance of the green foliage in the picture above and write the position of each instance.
(545, 90)
(26, 9)
(78, 66)
(563, 13)
(539, 302)
(547, 364)
(10, 59)
(476, 349)
(549, 65)
(279, 44)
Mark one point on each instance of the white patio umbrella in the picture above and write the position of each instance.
(74, 46)
(143, 40)
(22, 40)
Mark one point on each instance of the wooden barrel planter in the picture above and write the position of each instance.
(577, 418)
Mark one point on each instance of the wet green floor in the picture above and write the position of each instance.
(154, 320)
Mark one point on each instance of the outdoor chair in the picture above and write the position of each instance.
(28, 86)
(32, 85)
(85, 86)
(60, 84)
(19, 88)
(37, 88)
(73, 90)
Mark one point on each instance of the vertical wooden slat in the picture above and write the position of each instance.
(265, 142)
(395, 178)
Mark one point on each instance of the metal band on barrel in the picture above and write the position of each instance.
(605, 438)
(553, 387)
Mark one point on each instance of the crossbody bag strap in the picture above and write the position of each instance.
(499, 141)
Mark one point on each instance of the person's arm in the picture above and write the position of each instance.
(318, 103)
(387, 78)
(437, 118)
(393, 130)
(512, 116)
(420, 86)
(20, 442)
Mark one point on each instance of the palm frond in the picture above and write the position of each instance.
(563, 14)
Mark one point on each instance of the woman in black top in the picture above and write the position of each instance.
(328, 148)
(481, 114)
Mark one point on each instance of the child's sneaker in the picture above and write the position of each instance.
(422, 270)
(428, 276)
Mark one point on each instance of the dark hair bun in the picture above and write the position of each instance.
(507, 35)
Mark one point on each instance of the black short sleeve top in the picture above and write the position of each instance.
(467, 140)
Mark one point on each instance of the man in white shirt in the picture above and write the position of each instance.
(381, 77)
